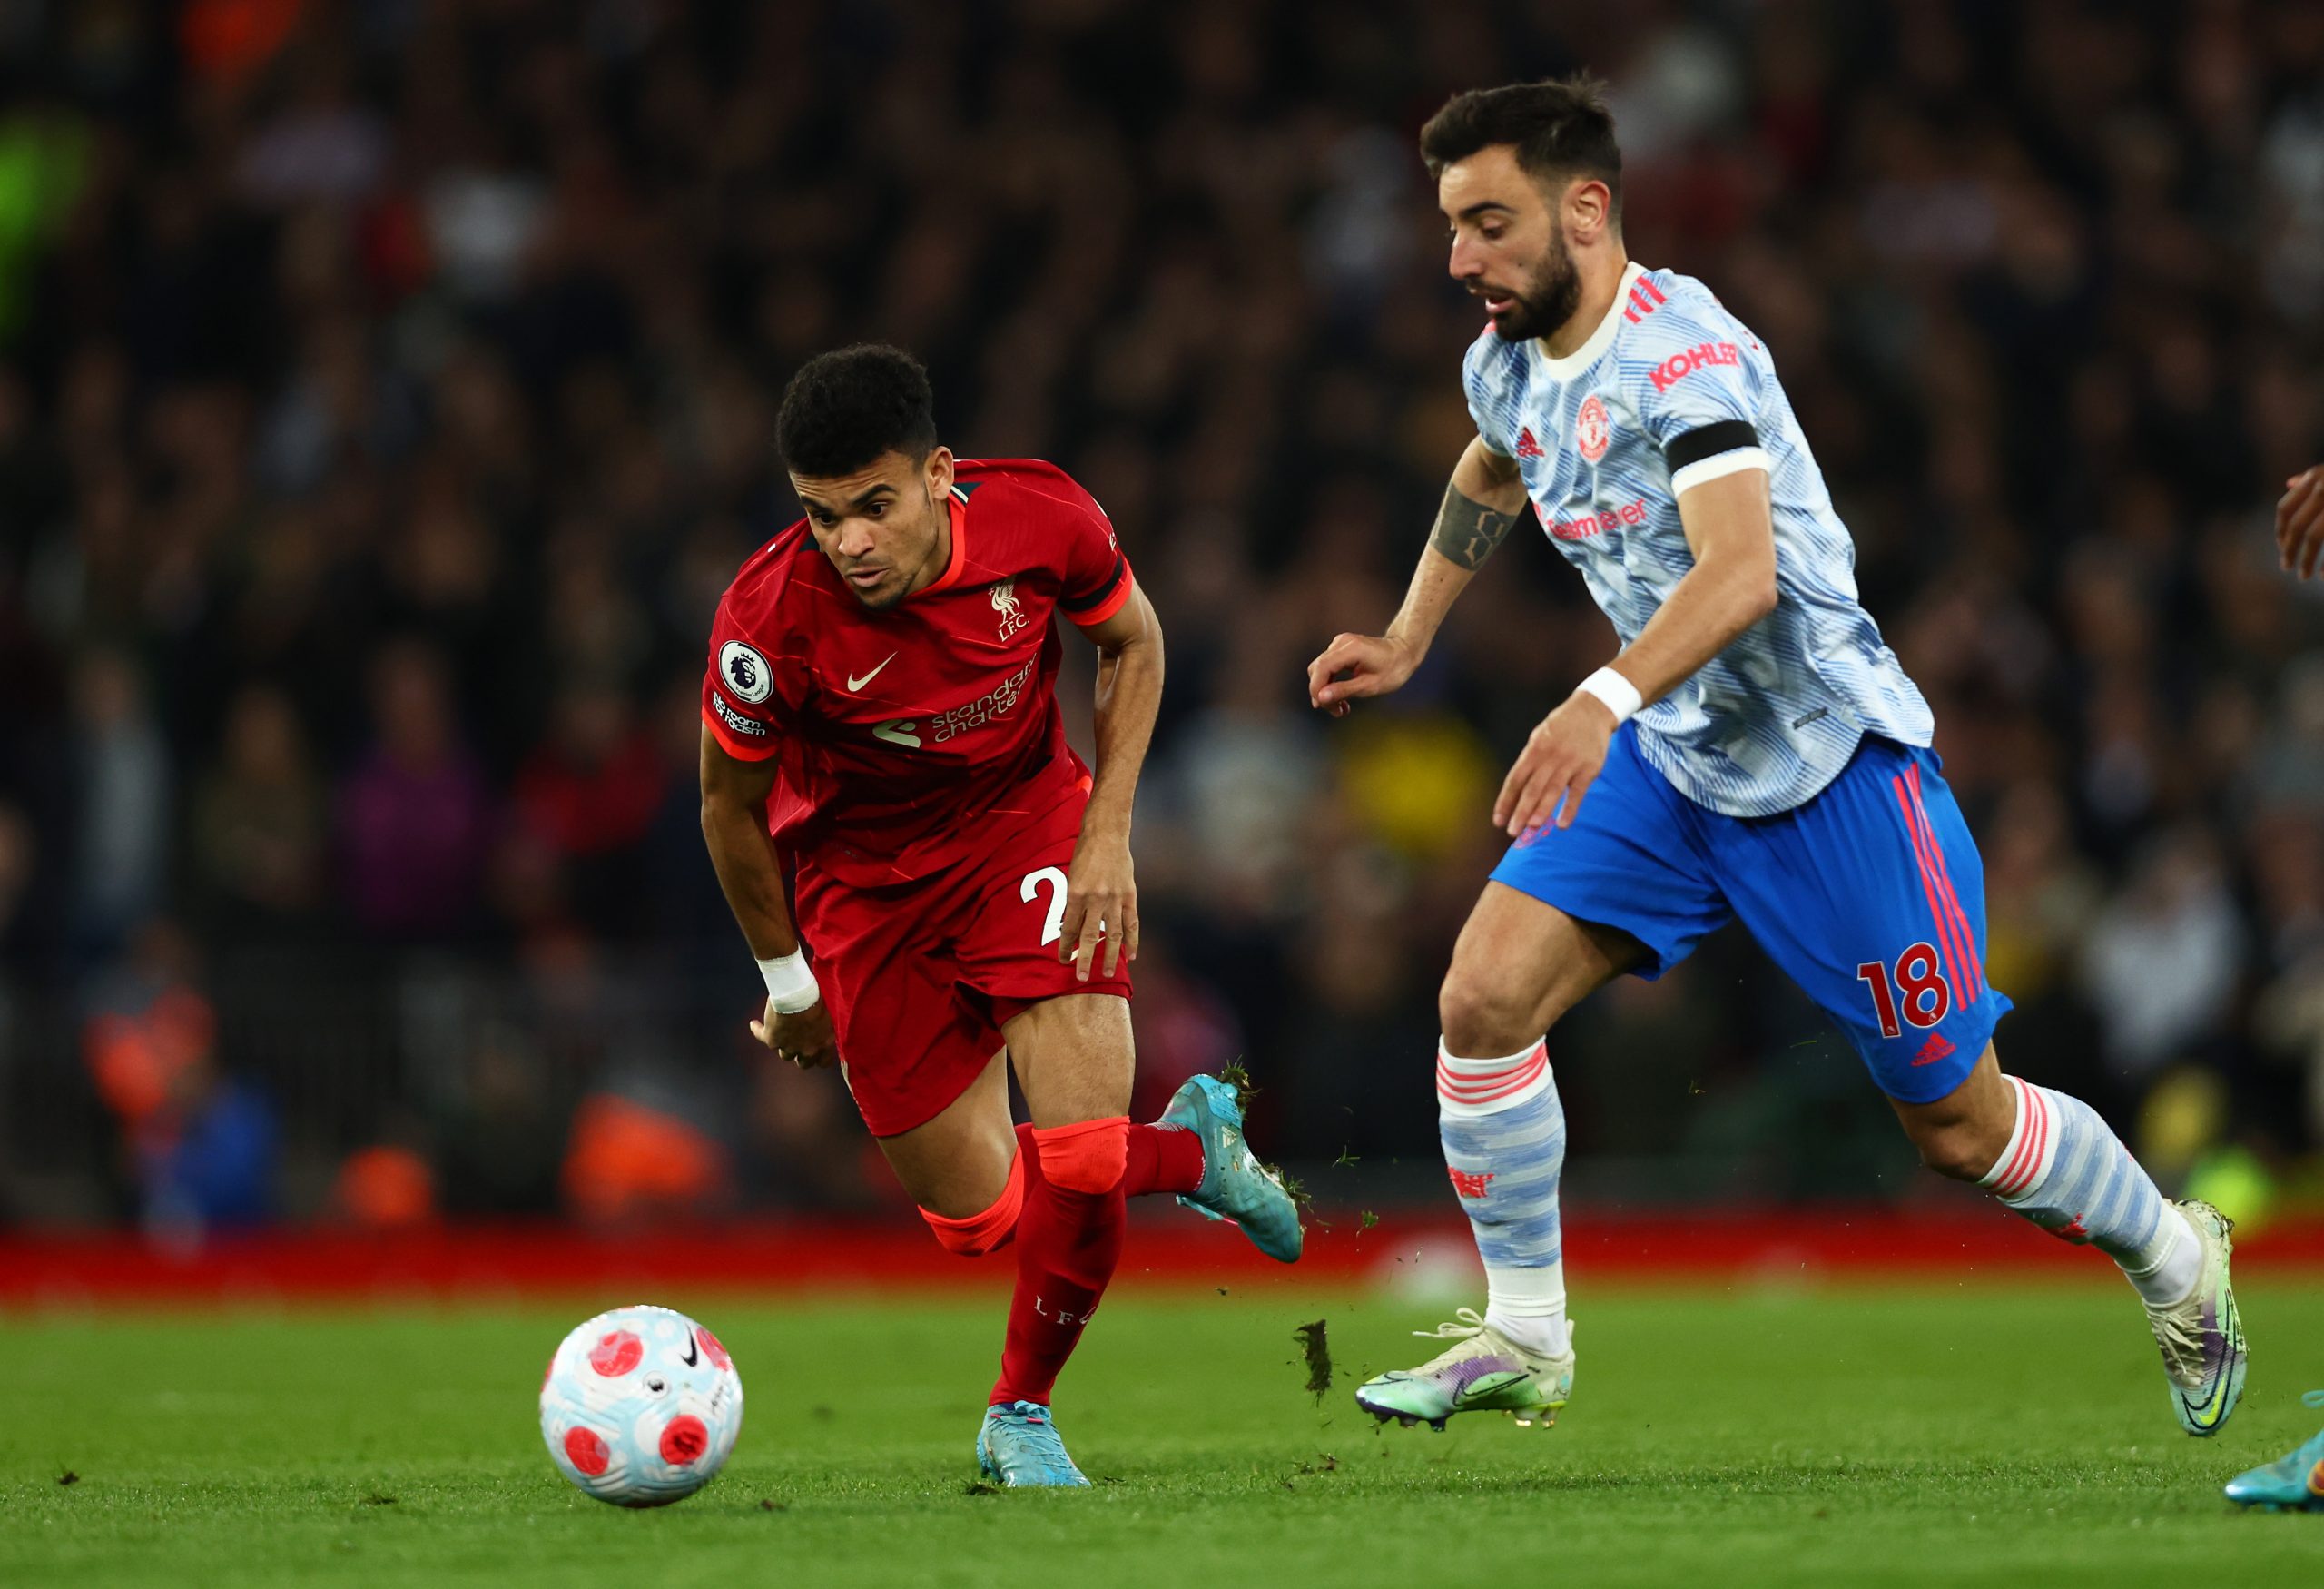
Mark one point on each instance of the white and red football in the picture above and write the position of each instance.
(640, 1407)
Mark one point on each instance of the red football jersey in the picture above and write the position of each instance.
(912, 737)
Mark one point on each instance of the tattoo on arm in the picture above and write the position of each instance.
(1468, 532)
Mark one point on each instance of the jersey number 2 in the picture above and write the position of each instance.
(1054, 927)
(1926, 997)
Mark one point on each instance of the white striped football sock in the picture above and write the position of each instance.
(2069, 1174)
(1504, 1132)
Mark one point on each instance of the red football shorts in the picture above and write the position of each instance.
(919, 977)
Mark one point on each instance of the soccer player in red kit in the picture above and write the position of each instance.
(880, 715)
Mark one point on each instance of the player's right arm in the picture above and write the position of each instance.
(2300, 524)
(734, 825)
(1486, 496)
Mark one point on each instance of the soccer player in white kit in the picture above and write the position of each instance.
(1753, 751)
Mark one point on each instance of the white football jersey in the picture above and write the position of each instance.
(1671, 390)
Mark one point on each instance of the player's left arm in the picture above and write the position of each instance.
(1101, 888)
(1729, 524)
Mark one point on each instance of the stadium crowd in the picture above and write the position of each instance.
(385, 399)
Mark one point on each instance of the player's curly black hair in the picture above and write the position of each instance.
(847, 407)
(1560, 128)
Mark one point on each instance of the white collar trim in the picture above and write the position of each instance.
(1589, 353)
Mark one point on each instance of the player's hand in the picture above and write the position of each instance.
(1561, 758)
(2300, 524)
(1354, 666)
(1100, 904)
(804, 1037)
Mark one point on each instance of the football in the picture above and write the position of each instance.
(640, 1407)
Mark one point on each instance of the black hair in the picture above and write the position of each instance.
(1560, 128)
(847, 407)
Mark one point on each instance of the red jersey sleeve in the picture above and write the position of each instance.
(738, 700)
(1097, 579)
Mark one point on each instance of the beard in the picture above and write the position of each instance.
(1547, 300)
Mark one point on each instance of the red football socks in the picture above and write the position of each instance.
(1162, 1159)
(1068, 1240)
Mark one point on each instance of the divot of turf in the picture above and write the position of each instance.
(1318, 1351)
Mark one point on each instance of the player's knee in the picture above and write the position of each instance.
(988, 1231)
(1482, 1017)
(1089, 1156)
(1962, 1134)
(1957, 1149)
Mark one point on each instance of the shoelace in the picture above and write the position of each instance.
(1042, 1444)
(2176, 1338)
(1465, 1324)
(2183, 1347)
(2312, 1399)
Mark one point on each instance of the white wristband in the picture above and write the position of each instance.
(790, 985)
(1621, 695)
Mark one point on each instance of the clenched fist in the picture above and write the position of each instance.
(804, 1036)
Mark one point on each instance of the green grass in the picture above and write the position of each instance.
(1925, 1435)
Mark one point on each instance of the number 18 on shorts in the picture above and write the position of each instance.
(1869, 895)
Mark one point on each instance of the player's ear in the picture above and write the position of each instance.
(940, 472)
(1588, 210)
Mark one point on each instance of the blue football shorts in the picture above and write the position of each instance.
(1870, 896)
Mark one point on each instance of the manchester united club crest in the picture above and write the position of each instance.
(1591, 428)
(1005, 603)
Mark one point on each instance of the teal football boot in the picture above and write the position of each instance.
(1235, 1185)
(2290, 1484)
(1019, 1446)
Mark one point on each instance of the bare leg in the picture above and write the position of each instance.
(957, 1165)
(1074, 1057)
(1962, 1134)
(1520, 964)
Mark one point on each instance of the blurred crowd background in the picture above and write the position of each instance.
(385, 399)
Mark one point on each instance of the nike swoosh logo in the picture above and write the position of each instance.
(2211, 1412)
(1485, 1384)
(692, 1355)
(854, 684)
(2202, 1414)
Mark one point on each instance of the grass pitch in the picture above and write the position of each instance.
(1851, 1436)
